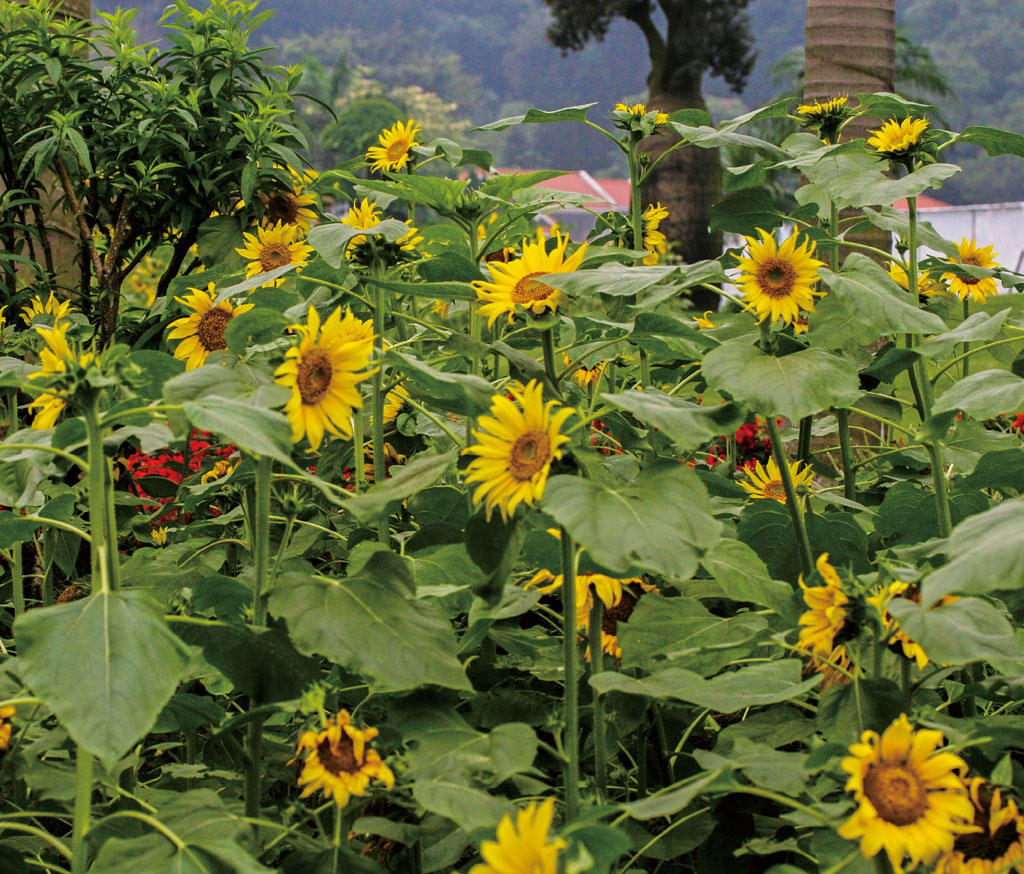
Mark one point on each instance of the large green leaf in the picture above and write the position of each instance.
(744, 577)
(977, 326)
(794, 385)
(331, 239)
(685, 423)
(460, 393)
(967, 630)
(859, 180)
(612, 279)
(254, 429)
(983, 394)
(105, 665)
(660, 522)
(408, 479)
(993, 140)
(371, 624)
(746, 212)
(539, 116)
(669, 803)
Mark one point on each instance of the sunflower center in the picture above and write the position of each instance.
(974, 262)
(774, 489)
(776, 278)
(985, 846)
(528, 290)
(314, 377)
(275, 255)
(896, 793)
(397, 150)
(282, 207)
(338, 757)
(529, 454)
(211, 327)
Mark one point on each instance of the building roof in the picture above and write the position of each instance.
(923, 202)
(608, 192)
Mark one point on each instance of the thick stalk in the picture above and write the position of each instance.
(967, 345)
(336, 843)
(49, 550)
(377, 421)
(18, 578)
(596, 666)
(849, 470)
(358, 452)
(83, 803)
(547, 342)
(645, 369)
(796, 512)
(253, 772)
(803, 444)
(635, 202)
(571, 716)
(475, 320)
(99, 528)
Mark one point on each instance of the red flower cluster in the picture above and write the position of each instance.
(752, 445)
(602, 440)
(1006, 422)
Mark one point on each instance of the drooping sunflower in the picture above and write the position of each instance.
(703, 321)
(514, 283)
(909, 591)
(55, 357)
(366, 215)
(395, 403)
(340, 762)
(654, 240)
(395, 149)
(441, 308)
(585, 376)
(290, 206)
(897, 139)
(392, 458)
(826, 625)
(273, 247)
(911, 799)
(6, 729)
(322, 370)
(515, 446)
(222, 469)
(997, 844)
(778, 280)
(523, 847)
(202, 332)
(969, 286)
(927, 284)
(54, 308)
(766, 480)
(827, 116)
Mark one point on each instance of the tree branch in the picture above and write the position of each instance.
(79, 214)
(640, 15)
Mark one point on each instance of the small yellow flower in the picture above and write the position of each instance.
(766, 481)
(274, 247)
(55, 357)
(54, 308)
(779, 280)
(827, 117)
(826, 625)
(703, 321)
(6, 729)
(395, 149)
(222, 469)
(202, 332)
(638, 110)
(523, 847)
(968, 286)
(654, 240)
(159, 536)
(395, 403)
(441, 308)
(926, 283)
(896, 139)
(818, 110)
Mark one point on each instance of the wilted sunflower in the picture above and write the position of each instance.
(54, 308)
(515, 447)
(273, 247)
(897, 139)
(222, 468)
(911, 799)
(322, 371)
(826, 625)
(395, 149)
(766, 480)
(654, 240)
(968, 286)
(827, 117)
(6, 729)
(441, 308)
(997, 844)
(339, 761)
(910, 592)
(514, 283)
(290, 206)
(778, 280)
(523, 848)
(926, 283)
(703, 321)
(202, 332)
(54, 358)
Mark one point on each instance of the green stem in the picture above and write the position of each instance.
(849, 468)
(101, 547)
(261, 538)
(792, 504)
(475, 320)
(967, 345)
(358, 452)
(83, 804)
(18, 578)
(50, 551)
(941, 490)
(377, 420)
(595, 621)
(635, 200)
(645, 369)
(336, 843)
(571, 716)
(803, 444)
(547, 342)
(253, 771)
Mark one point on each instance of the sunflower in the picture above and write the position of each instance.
(778, 281)
(515, 282)
(585, 376)
(202, 332)
(927, 284)
(273, 247)
(911, 799)
(897, 139)
(441, 308)
(523, 848)
(54, 357)
(394, 403)
(638, 110)
(392, 457)
(911, 592)
(654, 240)
(290, 206)
(339, 761)
(159, 535)
(766, 480)
(352, 328)
(827, 117)
(997, 846)
(515, 447)
(826, 624)
(322, 370)
(970, 286)
(6, 729)
(366, 216)
(55, 309)
(396, 144)
(222, 469)
(703, 321)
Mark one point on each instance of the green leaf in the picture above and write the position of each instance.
(859, 180)
(685, 423)
(372, 625)
(793, 386)
(617, 280)
(977, 326)
(967, 630)
(746, 212)
(256, 326)
(408, 479)
(433, 290)
(898, 223)
(256, 430)
(105, 665)
(460, 393)
(766, 683)
(744, 577)
(983, 394)
(331, 239)
(539, 116)
(1003, 470)
(993, 140)
(660, 522)
(672, 802)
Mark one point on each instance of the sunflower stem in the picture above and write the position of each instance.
(967, 345)
(253, 771)
(845, 449)
(547, 342)
(99, 527)
(336, 843)
(594, 627)
(571, 716)
(18, 578)
(635, 197)
(82, 812)
(358, 451)
(377, 421)
(803, 444)
(475, 322)
(796, 512)
(261, 536)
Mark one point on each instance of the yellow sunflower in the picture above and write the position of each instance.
(585, 376)
(394, 403)
(911, 592)
(159, 535)
(323, 371)
(826, 624)
(778, 280)
(654, 240)
(392, 457)
(54, 358)
(818, 110)
(395, 149)
(274, 247)
(703, 321)
(514, 283)
(222, 469)
(515, 446)
(911, 799)
(366, 216)
(6, 729)
(523, 847)
(290, 207)
(766, 480)
(202, 332)
(54, 308)
(997, 844)
(968, 286)
(638, 110)
(895, 139)
(441, 308)
(339, 761)
(927, 284)
(827, 117)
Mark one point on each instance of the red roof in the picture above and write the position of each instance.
(923, 202)
(606, 191)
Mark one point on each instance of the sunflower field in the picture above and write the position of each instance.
(356, 521)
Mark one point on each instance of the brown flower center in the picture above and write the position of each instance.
(529, 454)
(314, 376)
(397, 149)
(211, 327)
(974, 262)
(528, 290)
(774, 489)
(282, 206)
(338, 757)
(776, 277)
(620, 612)
(896, 793)
(274, 255)
(982, 845)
